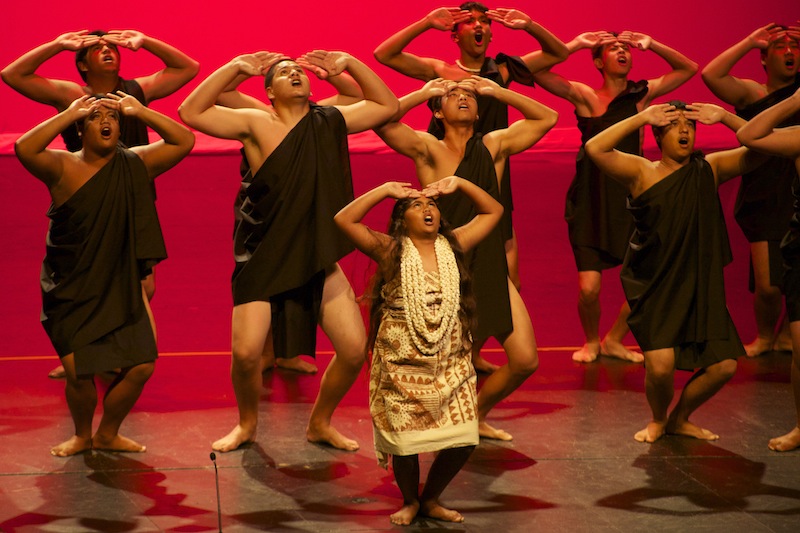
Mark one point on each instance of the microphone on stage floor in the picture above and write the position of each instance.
(216, 479)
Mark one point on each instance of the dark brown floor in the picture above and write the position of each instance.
(573, 465)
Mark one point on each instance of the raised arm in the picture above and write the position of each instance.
(391, 52)
(537, 119)
(176, 140)
(626, 168)
(379, 103)
(553, 49)
(400, 137)
(489, 211)
(683, 68)
(21, 74)
(199, 110)
(761, 133)
(48, 165)
(717, 74)
(572, 91)
(178, 69)
(372, 243)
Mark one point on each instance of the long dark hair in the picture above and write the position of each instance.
(391, 269)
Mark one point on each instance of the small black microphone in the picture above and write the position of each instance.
(216, 478)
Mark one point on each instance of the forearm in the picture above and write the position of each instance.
(482, 201)
(394, 45)
(346, 86)
(169, 130)
(206, 94)
(28, 63)
(551, 45)
(356, 210)
(372, 87)
(171, 56)
(765, 122)
(606, 140)
(720, 67)
(675, 59)
(530, 108)
(38, 138)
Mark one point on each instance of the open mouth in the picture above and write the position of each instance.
(296, 83)
(478, 38)
(789, 62)
(428, 219)
(683, 141)
(105, 131)
(622, 60)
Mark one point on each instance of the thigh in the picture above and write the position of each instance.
(250, 324)
(340, 316)
(520, 345)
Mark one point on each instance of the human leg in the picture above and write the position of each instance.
(250, 323)
(295, 364)
(342, 323)
(406, 474)
(704, 384)
(589, 313)
(512, 259)
(766, 301)
(523, 360)
(120, 398)
(81, 396)
(481, 365)
(791, 440)
(444, 468)
(658, 386)
(612, 344)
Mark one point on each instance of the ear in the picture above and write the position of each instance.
(270, 94)
(438, 114)
(82, 66)
(598, 63)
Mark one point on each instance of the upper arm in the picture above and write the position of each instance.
(572, 91)
(365, 115)
(166, 81)
(158, 157)
(223, 122)
(406, 141)
(623, 167)
(46, 166)
(728, 164)
(239, 100)
(373, 244)
(472, 233)
(520, 135)
(421, 68)
(737, 92)
(783, 142)
(57, 93)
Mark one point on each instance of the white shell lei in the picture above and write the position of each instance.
(430, 329)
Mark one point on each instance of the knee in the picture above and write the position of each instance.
(141, 373)
(589, 293)
(524, 366)
(354, 358)
(725, 370)
(245, 361)
(659, 372)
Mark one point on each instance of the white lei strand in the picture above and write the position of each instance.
(419, 315)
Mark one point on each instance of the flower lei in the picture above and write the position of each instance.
(419, 315)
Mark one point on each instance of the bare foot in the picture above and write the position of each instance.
(237, 437)
(118, 443)
(588, 353)
(57, 373)
(330, 436)
(787, 442)
(651, 433)
(782, 344)
(296, 364)
(687, 429)
(758, 346)
(488, 432)
(483, 366)
(613, 348)
(433, 509)
(405, 515)
(72, 446)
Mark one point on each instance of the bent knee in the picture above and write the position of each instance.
(525, 366)
(725, 369)
(141, 372)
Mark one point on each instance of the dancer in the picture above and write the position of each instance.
(286, 245)
(471, 29)
(672, 275)
(422, 382)
(104, 237)
(501, 313)
(764, 203)
(595, 213)
(761, 134)
(97, 59)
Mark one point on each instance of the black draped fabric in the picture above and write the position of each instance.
(764, 204)
(488, 260)
(493, 115)
(790, 251)
(285, 237)
(672, 275)
(598, 223)
(100, 244)
(133, 132)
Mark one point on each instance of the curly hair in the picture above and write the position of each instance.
(391, 270)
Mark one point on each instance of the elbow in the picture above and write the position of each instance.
(185, 113)
(192, 69)
(692, 68)
(552, 119)
(380, 56)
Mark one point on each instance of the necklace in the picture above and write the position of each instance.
(467, 69)
(430, 327)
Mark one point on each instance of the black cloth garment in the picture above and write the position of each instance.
(133, 132)
(493, 115)
(488, 260)
(598, 224)
(285, 236)
(100, 244)
(764, 204)
(790, 250)
(672, 275)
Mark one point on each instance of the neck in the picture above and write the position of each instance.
(456, 137)
(102, 83)
(614, 84)
(472, 68)
(776, 82)
(291, 111)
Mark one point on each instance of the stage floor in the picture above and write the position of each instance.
(572, 466)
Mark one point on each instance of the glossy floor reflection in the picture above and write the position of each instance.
(573, 464)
